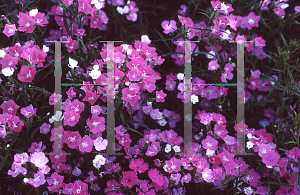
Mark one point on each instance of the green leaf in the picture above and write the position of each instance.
(131, 129)
(3, 161)
(40, 89)
(163, 40)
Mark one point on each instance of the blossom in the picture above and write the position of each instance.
(39, 159)
(39, 179)
(129, 179)
(9, 107)
(72, 139)
(100, 143)
(26, 22)
(72, 63)
(160, 95)
(207, 175)
(80, 188)
(37, 147)
(260, 42)
(297, 9)
(54, 98)
(98, 161)
(55, 181)
(210, 143)
(155, 176)
(213, 65)
(28, 111)
(271, 158)
(26, 73)
(145, 39)
(86, 144)
(169, 26)
(96, 124)
(90, 97)
(9, 30)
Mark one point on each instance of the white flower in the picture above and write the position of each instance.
(25, 180)
(180, 76)
(162, 122)
(33, 12)
(166, 168)
(95, 73)
(2, 53)
(57, 117)
(98, 161)
(45, 48)
(209, 152)
(194, 99)
(72, 63)
(248, 190)
(145, 38)
(250, 144)
(8, 71)
(168, 148)
(176, 148)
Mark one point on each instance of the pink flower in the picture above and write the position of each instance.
(55, 182)
(73, 139)
(39, 159)
(129, 179)
(156, 177)
(15, 123)
(213, 65)
(54, 98)
(71, 118)
(100, 143)
(9, 30)
(188, 22)
(271, 158)
(297, 9)
(260, 42)
(40, 19)
(207, 175)
(91, 97)
(26, 22)
(10, 107)
(28, 111)
(80, 188)
(279, 12)
(210, 143)
(26, 73)
(138, 165)
(96, 124)
(251, 20)
(169, 26)
(72, 45)
(37, 147)
(86, 144)
(160, 95)
(39, 179)
(84, 6)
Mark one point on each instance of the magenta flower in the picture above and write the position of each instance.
(174, 165)
(26, 22)
(86, 144)
(96, 124)
(210, 143)
(91, 177)
(9, 107)
(39, 159)
(160, 96)
(54, 98)
(186, 178)
(129, 179)
(80, 188)
(90, 97)
(26, 73)
(9, 61)
(297, 9)
(28, 111)
(15, 123)
(71, 94)
(40, 19)
(68, 189)
(156, 177)
(72, 45)
(182, 10)
(138, 165)
(55, 182)
(260, 42)
(73, 139)
(37, 147)
(71, 118)
(271, 158)
(169, 26)
(9, 30)
(39, 179)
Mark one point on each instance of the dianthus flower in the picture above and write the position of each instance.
(169, 26)
(9, 30)
(155, 176)
(138, 165)
(26, 73)
(129, 179)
